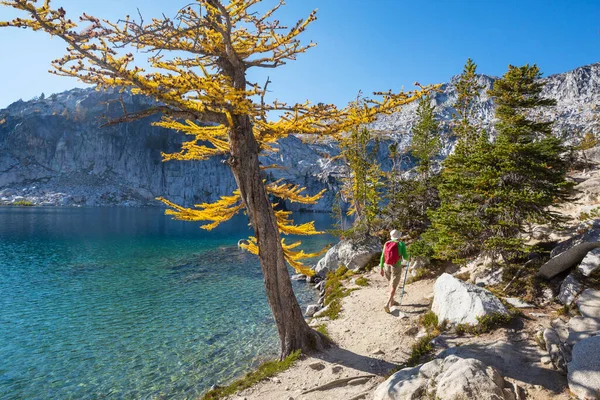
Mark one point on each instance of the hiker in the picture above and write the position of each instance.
(391, 265)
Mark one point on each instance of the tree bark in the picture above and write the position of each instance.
(294, 332)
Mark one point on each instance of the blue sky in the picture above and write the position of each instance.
(363, 45)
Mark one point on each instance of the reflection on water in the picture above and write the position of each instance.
(126, 303)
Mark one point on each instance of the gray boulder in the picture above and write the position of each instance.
(589, 303)
(460, 302)
(448, 379)
(582, 328)
(584, 369)
(590, 263)
(591, 235)
(566, 259)
(572, 251)
(569, 290)
(352, 254)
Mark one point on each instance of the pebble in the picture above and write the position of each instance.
(377, 352)
(546, 360)
(317, 366)
(336, 369)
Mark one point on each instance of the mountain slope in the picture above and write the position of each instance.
(54, 151)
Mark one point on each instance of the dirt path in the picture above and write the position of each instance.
(371, 343)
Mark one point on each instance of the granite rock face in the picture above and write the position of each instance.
(460, 302)
(53, 150)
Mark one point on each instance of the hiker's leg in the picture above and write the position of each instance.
(396, 273)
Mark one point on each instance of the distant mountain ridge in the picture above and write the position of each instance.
(54, 152)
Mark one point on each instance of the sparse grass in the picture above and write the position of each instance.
(362, 281)
(465, 276)
(539, 339)
(429, 321)
(22, 203)
(420, 349)
(461, 329)
(593, 214)
(335, 292)
(266, 370)
(564, 310)
(420, 274)
(485, 324)
(322, 329)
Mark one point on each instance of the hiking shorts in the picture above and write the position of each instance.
(393, 273)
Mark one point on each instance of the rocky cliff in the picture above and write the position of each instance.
(54, 151)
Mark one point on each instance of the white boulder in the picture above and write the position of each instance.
(584, 369)
(448, 379)
(460, 302)
(352, 254)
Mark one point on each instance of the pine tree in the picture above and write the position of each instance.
(426, 143)
(529, 172)
(410, 198)
(199, 62)
(457, 225)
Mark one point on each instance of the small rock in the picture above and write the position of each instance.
(336, 369)
(545, 360)
(312, 309)
(317, 366)
(411, 331)
(275, 380)
(569, 290)
(321, 312)
(518, 303)
(538, 315)
(401, 315)
(377, 352)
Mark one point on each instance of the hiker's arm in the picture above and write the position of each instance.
(381, 260)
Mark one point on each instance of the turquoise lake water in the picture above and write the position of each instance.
(126, 303)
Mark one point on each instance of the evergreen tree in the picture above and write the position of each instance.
(457, 224)
(529, 172)
(409, 199)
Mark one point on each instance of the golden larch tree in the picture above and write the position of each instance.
(197, 71)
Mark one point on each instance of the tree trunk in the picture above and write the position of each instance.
(294, 332)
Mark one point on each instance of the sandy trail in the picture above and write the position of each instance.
(370, 343)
